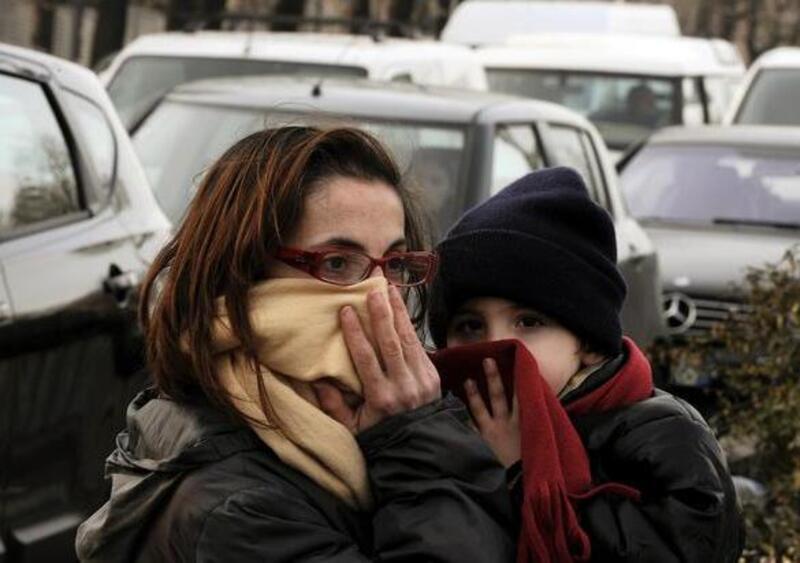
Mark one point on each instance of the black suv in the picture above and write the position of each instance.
(78, 225)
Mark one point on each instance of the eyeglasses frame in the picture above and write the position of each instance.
(308, 261)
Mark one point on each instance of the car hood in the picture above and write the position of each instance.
(710, 260)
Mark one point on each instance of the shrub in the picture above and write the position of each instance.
(755, 361)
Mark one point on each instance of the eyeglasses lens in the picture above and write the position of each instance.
(343, 268)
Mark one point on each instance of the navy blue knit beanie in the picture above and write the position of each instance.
(541, 242)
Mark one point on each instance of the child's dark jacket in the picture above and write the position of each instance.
(661, 446)
(625, 475)
(688, 509)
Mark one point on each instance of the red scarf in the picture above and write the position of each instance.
(555, 465)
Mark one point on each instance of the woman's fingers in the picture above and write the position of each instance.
(389, 346)
(390, 382)
(476, 405)
(497, 394)
(331, 402)
(418, 362)
(402, 324)
(361, 352)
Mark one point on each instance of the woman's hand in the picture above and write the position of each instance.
(395, 378)
(500, 428)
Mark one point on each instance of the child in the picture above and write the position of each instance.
(600, 464)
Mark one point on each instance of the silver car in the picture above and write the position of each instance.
(78, 225)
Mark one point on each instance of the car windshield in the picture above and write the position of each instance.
(772, 98)
(714, 184)
(179, 141)
(141, 81)
(624, 108)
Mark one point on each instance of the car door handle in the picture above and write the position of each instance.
(120, 284)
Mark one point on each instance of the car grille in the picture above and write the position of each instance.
(692, 315)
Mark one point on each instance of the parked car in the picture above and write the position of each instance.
(78, 224)
(151, 65)
(458, 146)
(627, 85)
(715, 200)
(488, 22)
(770, 93)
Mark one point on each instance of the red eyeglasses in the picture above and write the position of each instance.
(347, 267)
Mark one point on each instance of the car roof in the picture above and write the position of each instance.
(482, 22)
(623, 54)
(323, 48)
(733, 135)
(44, 67)
(781, 57)
(369, 99)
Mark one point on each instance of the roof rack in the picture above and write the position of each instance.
(233, 21)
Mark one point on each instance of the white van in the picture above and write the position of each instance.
(770, 92)
(627, 85)
(152, 65)
(488, 22)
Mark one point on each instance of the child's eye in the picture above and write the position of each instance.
(530, 320)
(467, 327)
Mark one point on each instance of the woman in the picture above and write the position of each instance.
(295, 415)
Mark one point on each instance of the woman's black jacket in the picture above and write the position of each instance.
(188, 485)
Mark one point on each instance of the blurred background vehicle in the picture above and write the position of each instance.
(150, 66)
(715, 200)
(488, 22)
(627, 85)
(770, 93)
(457, 146)
(78, 225)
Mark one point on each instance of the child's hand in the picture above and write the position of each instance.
(499, 427)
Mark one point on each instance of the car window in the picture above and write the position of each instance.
(179, 141)
(100, 141)
(568, 148)
(175, 161)
(709, 184)
(772, 98)
(595, 180)
(37, 178)
(516, 152)
(625, 108)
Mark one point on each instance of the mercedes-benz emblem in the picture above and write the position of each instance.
(680, 312)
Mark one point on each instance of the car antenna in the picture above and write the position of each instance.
(248, 45)
(316, 89)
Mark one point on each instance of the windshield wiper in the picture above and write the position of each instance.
(756, 223)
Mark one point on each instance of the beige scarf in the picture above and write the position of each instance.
(299, 341)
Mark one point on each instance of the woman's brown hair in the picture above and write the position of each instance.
(249, 201)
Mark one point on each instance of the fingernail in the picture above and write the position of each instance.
(487, 363)
(469, 385)
(347, 312)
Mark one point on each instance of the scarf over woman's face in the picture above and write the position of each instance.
(298, 340)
